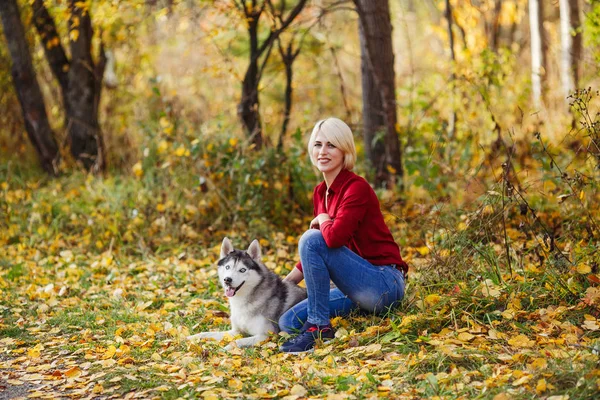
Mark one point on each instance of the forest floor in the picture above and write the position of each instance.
(97, 300)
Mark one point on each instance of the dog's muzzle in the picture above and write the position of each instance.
(230, 291)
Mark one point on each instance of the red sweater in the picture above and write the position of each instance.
(356, 220)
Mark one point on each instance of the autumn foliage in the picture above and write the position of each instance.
(102, 276)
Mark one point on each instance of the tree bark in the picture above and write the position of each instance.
(374, 16)
(79, 79)
(288, 56)
(248, 109)
(452, 122)
(27, 88)
(83, 92)
(374, 126)
(537, 51)
(566, 51)
(495, 31)
(577, 41)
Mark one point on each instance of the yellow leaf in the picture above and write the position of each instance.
(235, 384)
(522, 380)
(74, 35)
(584, 269)
(35, 351)
(539, 363)
(465, 337)
(423, 250)
(581, 195)
(233, 142)
(521, 341)
(162, 147)
(488, 210)
(541, 386)
(73, 372)
(432, 299)
(110, 352)
(138, 170)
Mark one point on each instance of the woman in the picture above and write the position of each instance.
(348, 243)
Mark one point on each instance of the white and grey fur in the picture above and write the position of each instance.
(257, 296)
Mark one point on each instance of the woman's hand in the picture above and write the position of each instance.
(295, 276)
(318, 220)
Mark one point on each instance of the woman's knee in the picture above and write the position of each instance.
(311, 239)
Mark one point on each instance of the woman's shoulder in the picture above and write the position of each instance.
(357, 183)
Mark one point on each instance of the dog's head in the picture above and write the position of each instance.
(239, 271)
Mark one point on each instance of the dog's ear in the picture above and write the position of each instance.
(254, 250)
(226, 247)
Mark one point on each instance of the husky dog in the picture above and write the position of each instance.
(257, 296)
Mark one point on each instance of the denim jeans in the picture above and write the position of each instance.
(360, 285)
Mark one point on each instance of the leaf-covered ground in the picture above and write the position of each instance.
(98, 297)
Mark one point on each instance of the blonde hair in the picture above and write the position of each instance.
(340, 135)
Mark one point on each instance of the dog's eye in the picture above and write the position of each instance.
(227, 267)
(243, 270)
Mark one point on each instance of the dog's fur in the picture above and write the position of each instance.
(257, 296)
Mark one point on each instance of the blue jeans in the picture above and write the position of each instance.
(360, 285)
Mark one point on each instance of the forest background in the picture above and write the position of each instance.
(135, 135)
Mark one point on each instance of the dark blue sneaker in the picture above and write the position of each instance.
(305, 341)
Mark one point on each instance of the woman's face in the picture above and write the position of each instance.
(328, 157)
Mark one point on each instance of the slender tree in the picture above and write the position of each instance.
(27, 88)
(537, 51)
(248, 108)
(570, 45)
(495, 28)
(376, 28)
(288, 56)
(452, 124)
(80, 79)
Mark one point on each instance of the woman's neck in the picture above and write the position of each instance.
(330, 176)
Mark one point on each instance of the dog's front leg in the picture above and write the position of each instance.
(213, 335)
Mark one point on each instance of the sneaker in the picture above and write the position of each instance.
(305, 341)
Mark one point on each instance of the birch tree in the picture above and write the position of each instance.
(570, 40)
(537, 50)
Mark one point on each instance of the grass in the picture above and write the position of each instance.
(109, 282)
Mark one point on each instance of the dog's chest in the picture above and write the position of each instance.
(248, 319)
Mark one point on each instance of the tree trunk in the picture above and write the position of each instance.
(373, 117)
(495, 31)
(55, 54)
(452, 123)
(374, 16)
(248, 109)
(288, 56)
(537, 51)
(566, 51)
(27, 88)
(577, 41)
(83, 92)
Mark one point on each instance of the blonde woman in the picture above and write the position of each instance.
(348, 243)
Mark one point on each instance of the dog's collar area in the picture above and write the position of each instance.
(230, 291)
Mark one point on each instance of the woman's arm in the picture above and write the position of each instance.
(294, 276)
